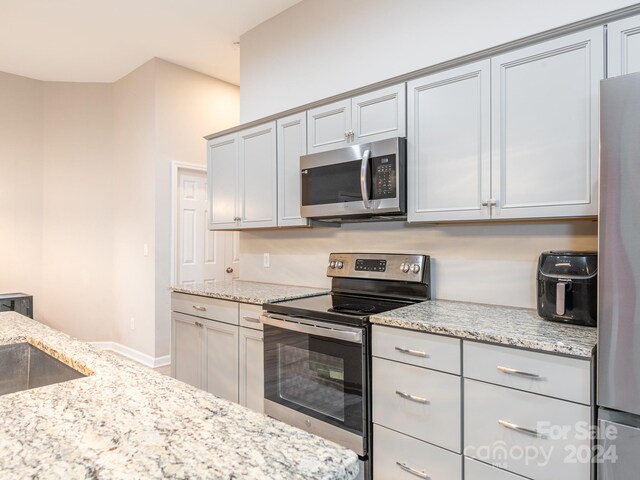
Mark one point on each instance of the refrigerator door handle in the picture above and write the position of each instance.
(561, 291)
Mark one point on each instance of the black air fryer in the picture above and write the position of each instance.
(567, 287)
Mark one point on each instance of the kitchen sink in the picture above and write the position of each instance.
(23, 367)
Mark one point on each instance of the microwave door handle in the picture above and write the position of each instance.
(364, 185)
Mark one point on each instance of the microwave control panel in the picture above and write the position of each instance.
(384, 177)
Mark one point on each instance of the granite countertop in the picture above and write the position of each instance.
(516, 327)
(127, 421)
(250, 292)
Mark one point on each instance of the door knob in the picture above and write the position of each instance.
(229, 270)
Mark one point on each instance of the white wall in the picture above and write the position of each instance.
(320, 48)
(78, 190)
(492, 263)
(21, 186)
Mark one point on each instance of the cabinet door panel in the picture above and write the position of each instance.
(327, 126)
(223, 179)
(186, 349)
(449, 145)
(258, 176)
(221, 341)
(292, 143)
(380, 114)
(623, 45)
(546, 127)
(251, 369)
(492, 415)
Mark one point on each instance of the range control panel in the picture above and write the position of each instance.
(370, 265)
(383, 266)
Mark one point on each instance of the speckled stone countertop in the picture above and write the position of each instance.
(250, 292)
(125, 421)
(516, 327)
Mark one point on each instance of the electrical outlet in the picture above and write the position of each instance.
(132, 323)
(267, 260)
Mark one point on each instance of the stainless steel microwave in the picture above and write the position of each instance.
(361, 182)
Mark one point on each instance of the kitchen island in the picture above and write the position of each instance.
(124, 420)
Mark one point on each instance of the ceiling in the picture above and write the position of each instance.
(103, 40)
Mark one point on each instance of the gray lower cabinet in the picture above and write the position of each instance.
(219, 349)
(505, 413)
(221, 359)
(251, 366)
(186, 349)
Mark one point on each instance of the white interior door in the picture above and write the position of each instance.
(202, 256)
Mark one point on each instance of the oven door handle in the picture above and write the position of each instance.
(321, 330)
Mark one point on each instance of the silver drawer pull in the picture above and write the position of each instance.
(251, 319)
(513, 371)
(413, 471)
(198, 324)
(413, 398)
(518, 428)
(415, 353)
(200, 308)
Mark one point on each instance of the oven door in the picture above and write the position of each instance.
(366, 179)
(315, 378)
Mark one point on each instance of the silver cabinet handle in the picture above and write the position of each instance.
(413, 471)
(513, 371)
(200, 308)
(518, 428)
(198, 324)
(364, 187)
(415, 353)
(413, 398)
(346, 134)
(489, 203)
(251, 319)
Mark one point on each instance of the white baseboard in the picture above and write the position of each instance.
(143, 358)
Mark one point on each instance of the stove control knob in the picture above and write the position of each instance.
(332, 264)
(405, 267)
(339, 264)
(415, 268)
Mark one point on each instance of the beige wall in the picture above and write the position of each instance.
(189, 105)
(486, 263)
(85, 184)
(319, 48)
(78, 193)
(21, 186)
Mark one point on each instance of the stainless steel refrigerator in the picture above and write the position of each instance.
(619, 279)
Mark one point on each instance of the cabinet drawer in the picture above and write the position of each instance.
(250, 316)
(419, 402)
(417, 348)
(474, 470)
(205, 307)
(392, 448)
(564, 427)
(552, 375)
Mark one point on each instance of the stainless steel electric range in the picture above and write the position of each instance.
(317, 351)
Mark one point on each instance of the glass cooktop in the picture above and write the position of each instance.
(348, 309)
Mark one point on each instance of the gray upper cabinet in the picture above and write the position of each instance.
(257, 185)
(222, 179)
(366, 118)
(242, 179)
(545, 128)
(449, 144)
(292, 143)
(623, 44)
